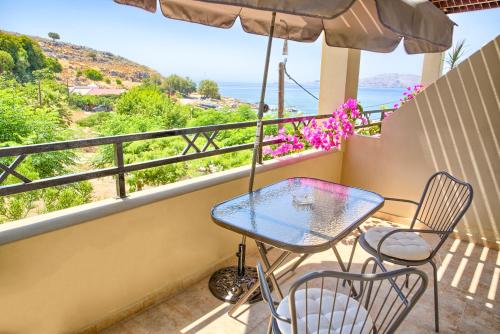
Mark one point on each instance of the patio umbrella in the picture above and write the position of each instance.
(373, 25)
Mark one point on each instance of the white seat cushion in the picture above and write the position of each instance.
(313, 311)
(402, 245)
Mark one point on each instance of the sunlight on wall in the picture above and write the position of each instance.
(453, 125)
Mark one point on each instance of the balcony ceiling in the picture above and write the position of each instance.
(460, 6)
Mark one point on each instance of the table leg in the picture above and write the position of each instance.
(270, 268)
(263, 255)
(339, 259)
(297, 263)
(344, 269)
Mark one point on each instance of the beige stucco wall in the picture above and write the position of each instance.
(454, 125)
(88, 275)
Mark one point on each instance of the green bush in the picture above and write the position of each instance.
(6, 62)
(149, 101)
(107, 80)
(53, 65)
(92, 54)
(88, 102)
(94, 120)
(23, 122)
(118, 82)
(93, 74)
(63, 197)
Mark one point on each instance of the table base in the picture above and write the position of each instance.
(226, 285)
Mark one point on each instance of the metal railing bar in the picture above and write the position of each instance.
(362, 126)
(81, 143)
(77, 177)
(377, 111)
(208, 132)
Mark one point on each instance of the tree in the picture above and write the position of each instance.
(175, 83)
(455, 55)
(25, 52)
(93, 74)
(6, 62)
(149, 102)
(54, 36)
(209, 88)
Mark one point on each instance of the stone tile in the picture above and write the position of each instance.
(479, 319)
(462, 308)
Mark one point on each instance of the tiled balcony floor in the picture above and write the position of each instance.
(468, 275)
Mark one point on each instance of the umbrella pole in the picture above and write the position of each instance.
(258, 132)
(230, 283)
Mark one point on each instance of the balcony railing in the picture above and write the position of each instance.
(190, 135)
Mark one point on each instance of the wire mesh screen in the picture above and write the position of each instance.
(444, 201)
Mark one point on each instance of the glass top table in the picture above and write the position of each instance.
(299, 215)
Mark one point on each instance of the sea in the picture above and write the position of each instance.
(296, 99)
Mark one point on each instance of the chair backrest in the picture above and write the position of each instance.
(443, 203)
(369, 302)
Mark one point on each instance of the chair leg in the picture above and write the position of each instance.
(407, 283)
(270, 326)
(351, 257)
(436, 301)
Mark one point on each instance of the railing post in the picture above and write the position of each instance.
(120, 177)
(382, 115)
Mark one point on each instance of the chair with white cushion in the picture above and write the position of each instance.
(443, 203)
(319, 303)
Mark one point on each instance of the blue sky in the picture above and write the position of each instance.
(201, 52)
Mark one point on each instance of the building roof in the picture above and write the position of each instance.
(460, 6)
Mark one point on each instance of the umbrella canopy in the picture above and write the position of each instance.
(373, 25)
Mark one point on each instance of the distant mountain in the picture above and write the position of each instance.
(77, 58)
(390, 80)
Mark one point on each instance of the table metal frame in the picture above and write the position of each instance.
(270, 268)
(304, 251)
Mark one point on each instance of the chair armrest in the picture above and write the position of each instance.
(278, 316)
(399, 230)
(392, 199)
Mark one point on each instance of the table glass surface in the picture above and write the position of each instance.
(298, 214)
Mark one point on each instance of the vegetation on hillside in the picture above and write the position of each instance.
(36, 108)
(26, 54)
(147, 108)
(177, 84)
(93, 74)
(25, 121)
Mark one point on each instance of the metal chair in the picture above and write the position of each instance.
(319, 303)
(443, 203)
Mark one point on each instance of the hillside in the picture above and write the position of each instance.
(74, 58)
(390, 80)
